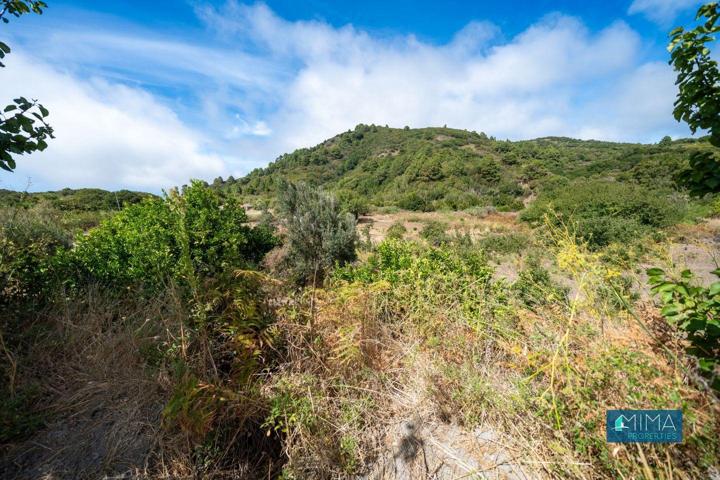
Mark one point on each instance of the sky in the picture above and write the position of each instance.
(145, 95)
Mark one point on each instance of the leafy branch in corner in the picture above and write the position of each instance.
(696, 311)
(698, 100)
(23, 125)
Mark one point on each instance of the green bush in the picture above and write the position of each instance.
(396, 231)
(404, 262)
(535, 287)
(319, 234)
(504, 243)
(434, 233)
(415, 202)
(188, 234)
(353, 203)
(28, 242)
(695, 310)
(603, 212)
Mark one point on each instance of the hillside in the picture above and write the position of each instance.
(82, 199)
(443, 168)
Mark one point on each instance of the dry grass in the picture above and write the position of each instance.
(476, 226)
(435, 377)
(102, 405)
(452, 388)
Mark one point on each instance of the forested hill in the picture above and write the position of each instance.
(82, 199)
(435, 168)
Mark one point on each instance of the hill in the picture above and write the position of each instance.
(83, 199)
(442, 168)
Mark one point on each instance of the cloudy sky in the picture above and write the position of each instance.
(145, 95)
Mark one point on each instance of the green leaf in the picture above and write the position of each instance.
(653, 272)
(4, 47)
(714, 289)
(665, 287)
(706, 364)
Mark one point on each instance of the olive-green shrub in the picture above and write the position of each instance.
(319, 233)
(603, 212)
(185, 235)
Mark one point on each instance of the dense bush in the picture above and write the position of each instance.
(353, 203)
(535, 287)
(696, 311)
(404, 262)
(80, 200)
(434, 232)
(319, 234)
(28, 241)
(396, 231)
(604, 212)
(189, 233)
(504, 243)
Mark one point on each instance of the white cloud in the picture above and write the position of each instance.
(107, 135)
(662, 12)
(542, 82)
(265, 86)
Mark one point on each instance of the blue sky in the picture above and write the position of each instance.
(146, 95)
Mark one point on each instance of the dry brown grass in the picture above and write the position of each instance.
(386, 381)
(476, 226)
(102, 404)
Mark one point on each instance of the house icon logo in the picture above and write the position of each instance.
(643, 426)
(620, 424)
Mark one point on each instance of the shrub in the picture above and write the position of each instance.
(413, 201)
(319, 233)
(535, 287)
(188, 234)
(353, 203)
(28, 241)
(695, 310)
(604, 212)
(396, 231)
(434, 233)
(504, 243)
(404, 262)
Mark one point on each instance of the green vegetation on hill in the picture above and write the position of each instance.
(441, 168)
(82, 199)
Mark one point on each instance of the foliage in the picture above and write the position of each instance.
(696, 311)
(432, 169)
(703, 176)
(698, 100)
(188, 234)
(504, 243)
(74, 200)
(698, 81)
(353, 203)
(23, 126)
(434, 232)
(398, 261)
(28, 240)
(396, 231)
(535, 287)
(604, 212)
(319, 234)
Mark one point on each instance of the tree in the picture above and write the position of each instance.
(23, 126)
(698, 100)
(319, 233)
